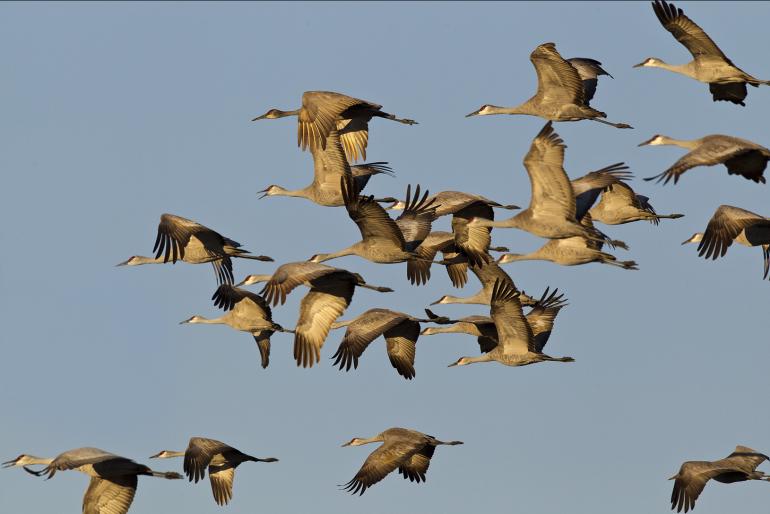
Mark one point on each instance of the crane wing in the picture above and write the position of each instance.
(326, 301)
(401, 343)
(110, 496)
(416, 220)
(372, 220)
(361, 332)
(321, 110)
(354, 135)
(385, 459)
(415, 468)
(686, 31)
(557, 80)
(290, 275)
(724, 226)
(221, 479)
(513, 331)
(551, 189)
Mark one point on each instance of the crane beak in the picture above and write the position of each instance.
(124, 263)
(344, 445)
(186, 321)
(641, 64)
(263, 192)
(155, 456)
(452, 365)
(264, 116)
(9, 463)
(645, 143)
(474, 113)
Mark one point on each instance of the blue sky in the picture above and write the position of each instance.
(115, 113)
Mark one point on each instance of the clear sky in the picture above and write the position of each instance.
(115, 113)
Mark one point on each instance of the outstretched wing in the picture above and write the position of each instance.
(513, 331)
(372, 220)
(551, 189)
(109, 496)
(381, 462)
(557, 79)
(724, 226)
(416, 220)
(319, 115)
(361, 332)
(290, 275)
(415, 468)
(686, 31)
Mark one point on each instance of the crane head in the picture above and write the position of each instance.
(165, 454)
(356, 441)
(462, 361)
(655, 140)
(274, 114)
(650, 61)
(481, 111)
(131, 261)
(21, 460)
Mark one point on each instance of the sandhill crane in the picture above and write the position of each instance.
(740, 157)
(407, 450)
(560, 95)
(324, 111)
(487, 274)
(709, 65)
(247, 312)
(619, 204)
(730, 224)
(329, 166)
(589, 70)
(384, 240)
(739, 466)
(400, 330)
(571, 251)
(588, 187)
(220, 459)
(516, 345)
(185, 240)
(552, 207)
(464, 206)
(540, 318)
(113, 478)
(331, 291)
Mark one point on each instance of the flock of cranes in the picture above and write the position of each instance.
(334, 128)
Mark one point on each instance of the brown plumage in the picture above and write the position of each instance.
(407, 451)
(689, 482)
(183, 239)
(324, 111)
(219, 458)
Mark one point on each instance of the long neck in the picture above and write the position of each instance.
(256, 279)
(682, 69)
(513, 222)
(690, 144)
(484, 357)
(207, 321)
(32, 460)
(350, 250)
(141, 259)
(475, 299)
(283, 114)
(525, 108)
(340, 324)
(305, 192)
(376, 439)
(512, 257)
(457, 328)
(169, 454)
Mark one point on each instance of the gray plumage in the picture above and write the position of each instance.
(113, 478)
(185, 240)
(553, 206)
(692, 477)
(560, 92)
(247, 312)
(740, 156)
(619, 204)
(407, 451)
(571, 251)
(400, 330)
(384, 240)
(329, 166)
(488, 275)
(516, 345)
(219, 458)
(589, 70)
(730, 224)
(709, 65)
(324, 111)
(331, 291)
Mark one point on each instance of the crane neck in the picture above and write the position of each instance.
(169, 454)
(484, 357)
(205, 321)
(525, 108)
(690, 144)
(141, 259)
(31, 460)
(457, 328)
(682, 69)
(305, 192)
(321, 257)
